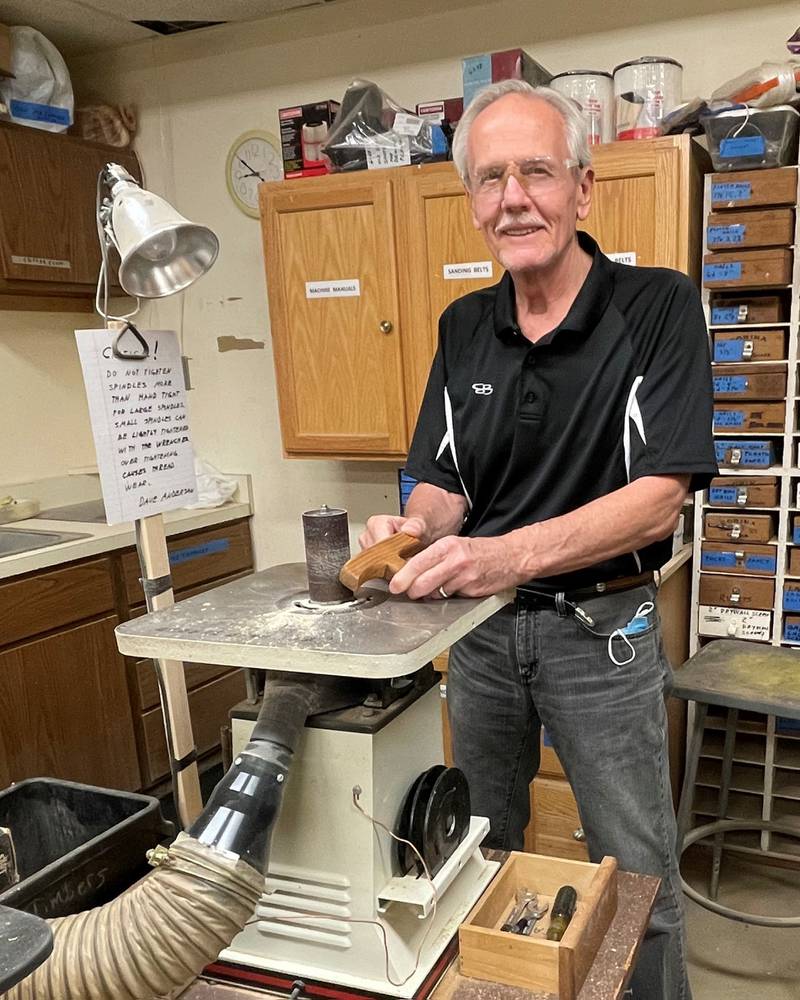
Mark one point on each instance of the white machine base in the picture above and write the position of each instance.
(330, 880)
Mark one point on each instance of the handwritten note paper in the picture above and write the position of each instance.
(140, 425)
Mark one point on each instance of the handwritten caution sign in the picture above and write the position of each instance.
(140, 425)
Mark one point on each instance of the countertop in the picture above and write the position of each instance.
(102, 538)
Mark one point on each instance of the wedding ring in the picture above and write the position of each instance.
(443, 592)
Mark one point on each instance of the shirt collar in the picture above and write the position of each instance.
(584, 313)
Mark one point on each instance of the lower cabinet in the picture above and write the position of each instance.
(66, 712)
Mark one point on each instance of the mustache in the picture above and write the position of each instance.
(518, 222)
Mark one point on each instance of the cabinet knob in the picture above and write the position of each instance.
(579, 834)
(386, 326)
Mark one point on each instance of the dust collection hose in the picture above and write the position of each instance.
(159, 934)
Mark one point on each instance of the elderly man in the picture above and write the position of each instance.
(567, 411)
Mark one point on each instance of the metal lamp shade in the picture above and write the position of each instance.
(161, 251)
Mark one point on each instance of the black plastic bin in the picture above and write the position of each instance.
(77, 846)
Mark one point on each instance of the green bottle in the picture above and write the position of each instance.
(563, 908)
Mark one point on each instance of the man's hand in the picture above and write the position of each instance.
(471, 567)
(382, 526)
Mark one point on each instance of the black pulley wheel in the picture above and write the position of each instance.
(447, 815)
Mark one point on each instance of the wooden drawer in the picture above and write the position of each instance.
(556, 826)
(749, 345)
(748, 188)
(739, 526)
(730, 230)
(750, 267)
(749, 382)
(732, 417)
(743, 491)
(741, 454)
(794, 562)
(209, 706)
(791, 596)
(791, 628)
(734, 623)
(197, 557)
(50, 600)
(725, 557)
(737, 592)
(729, 310)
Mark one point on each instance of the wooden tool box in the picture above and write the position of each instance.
(734, 230)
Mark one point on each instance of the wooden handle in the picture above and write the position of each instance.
(379, 562)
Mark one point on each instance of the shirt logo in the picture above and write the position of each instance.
(482, 388)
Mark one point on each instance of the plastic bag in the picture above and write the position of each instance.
(762, 87)
(371, 130)
(40, 93)
(213, 489)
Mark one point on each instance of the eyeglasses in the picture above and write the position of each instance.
(536, 174)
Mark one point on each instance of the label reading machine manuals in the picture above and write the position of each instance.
(344, 288)
(470, 269)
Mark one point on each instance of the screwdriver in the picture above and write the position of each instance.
(563, 908)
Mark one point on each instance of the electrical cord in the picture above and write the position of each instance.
(303, 915)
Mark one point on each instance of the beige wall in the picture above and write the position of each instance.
(198, 92)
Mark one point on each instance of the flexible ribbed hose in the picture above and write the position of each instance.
(155, 937)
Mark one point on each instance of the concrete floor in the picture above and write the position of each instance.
(729, 960)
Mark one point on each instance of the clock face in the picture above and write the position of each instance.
(253, 158)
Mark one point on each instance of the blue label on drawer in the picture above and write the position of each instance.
(715, 560)
(728, 418)
(198, 551)
(791, 600)
(723, 272)
(743, 145)
(730, 383)
(762, 564)
(782, 724)
(407, 484)
(732, 191)
(753, 454)
(796, 535)
(725, 314)
(31, 112)
(728, 350)
(725, 234)
(722, 494)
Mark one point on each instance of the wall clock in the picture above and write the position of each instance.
(254, 157)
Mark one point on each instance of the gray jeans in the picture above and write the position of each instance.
(524, 668)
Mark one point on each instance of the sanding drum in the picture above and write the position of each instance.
(327, 542)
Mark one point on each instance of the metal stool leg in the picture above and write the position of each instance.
(724, 793)
(690, 775)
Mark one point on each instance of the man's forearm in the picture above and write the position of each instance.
(629, 519)
(442, 512)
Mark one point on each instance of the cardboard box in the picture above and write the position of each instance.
(446, 112)
(5, 51)
(303, 129)
(477, 72)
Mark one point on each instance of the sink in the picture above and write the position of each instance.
(16, 540)
(89, 512)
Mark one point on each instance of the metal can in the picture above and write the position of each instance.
(645, 90)
(593, 91)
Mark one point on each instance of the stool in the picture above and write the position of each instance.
(739, 676)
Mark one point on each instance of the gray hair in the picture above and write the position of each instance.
(575, 127)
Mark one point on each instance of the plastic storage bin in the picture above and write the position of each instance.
(77, 846)
(749, 138)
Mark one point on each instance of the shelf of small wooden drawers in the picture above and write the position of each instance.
(533, 962)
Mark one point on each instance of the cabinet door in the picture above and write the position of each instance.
(337, 354)
(446, 258)
(66, 712)
(644, 202)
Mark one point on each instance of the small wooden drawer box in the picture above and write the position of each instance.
(747, 382)
(730, 230)
(750, 345)
(791, 595)
(796, 530)
(743, 491)
(734, 623)
(724, 557)
(739, 526)
(731, 310)
(794, 562)
(750, 267)
(751, 188)
(749, 416)
(533, 962)
(791, 628)
(745, 454)
(737, 592)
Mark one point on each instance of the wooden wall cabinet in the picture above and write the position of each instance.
(351, 368)
(49, 251)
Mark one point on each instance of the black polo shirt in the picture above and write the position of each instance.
(526, 432)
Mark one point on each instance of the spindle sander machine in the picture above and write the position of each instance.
(345, 903)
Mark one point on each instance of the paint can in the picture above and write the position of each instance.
(593, 92)
(645, 91)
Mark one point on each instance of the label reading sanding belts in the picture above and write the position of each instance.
(198, 551)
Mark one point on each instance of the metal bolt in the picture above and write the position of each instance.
(280, 778)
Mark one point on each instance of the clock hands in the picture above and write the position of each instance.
(253, 173)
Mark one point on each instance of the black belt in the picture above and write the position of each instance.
(533, 596)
